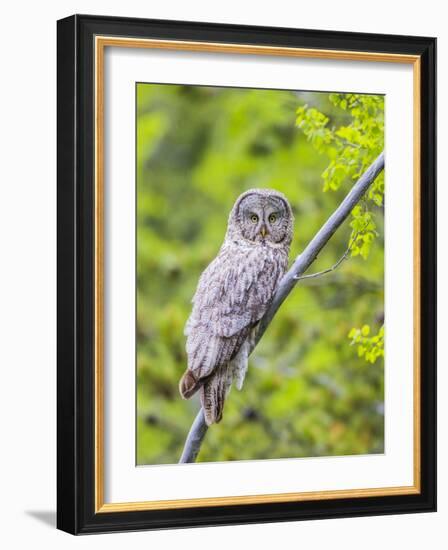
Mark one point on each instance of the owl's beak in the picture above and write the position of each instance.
(263, 231)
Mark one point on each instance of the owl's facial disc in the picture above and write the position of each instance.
(263, 218)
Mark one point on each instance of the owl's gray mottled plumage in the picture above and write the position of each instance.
(233, 294)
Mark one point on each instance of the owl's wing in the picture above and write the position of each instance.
(232, 295)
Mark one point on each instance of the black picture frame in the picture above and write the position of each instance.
(76, 253)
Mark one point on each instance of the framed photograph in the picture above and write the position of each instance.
(246, 274)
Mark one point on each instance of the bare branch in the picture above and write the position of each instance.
(194, 439)
(290, 279)
(325, 271)
(338, 263)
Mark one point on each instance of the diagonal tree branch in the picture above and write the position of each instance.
(301, 264)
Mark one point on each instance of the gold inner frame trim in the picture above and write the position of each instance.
(101, 42)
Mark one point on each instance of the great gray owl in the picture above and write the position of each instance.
(232, 295)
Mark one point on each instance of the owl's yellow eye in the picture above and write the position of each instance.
(272, 218)
(254, 218)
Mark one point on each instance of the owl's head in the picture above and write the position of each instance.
(260, 216)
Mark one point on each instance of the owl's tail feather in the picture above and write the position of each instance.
(189, 384)
(213, 394)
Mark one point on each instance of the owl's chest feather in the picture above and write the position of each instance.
(258, 268)
(242, 276)
(260, 258)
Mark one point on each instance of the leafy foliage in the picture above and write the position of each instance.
(306, 392)
(369, 347)
(364, 231)
(350, 147)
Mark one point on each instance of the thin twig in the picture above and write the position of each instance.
(325, 271)
(301, 264)
(338, 263)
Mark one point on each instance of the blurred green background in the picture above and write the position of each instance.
(311, 390)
